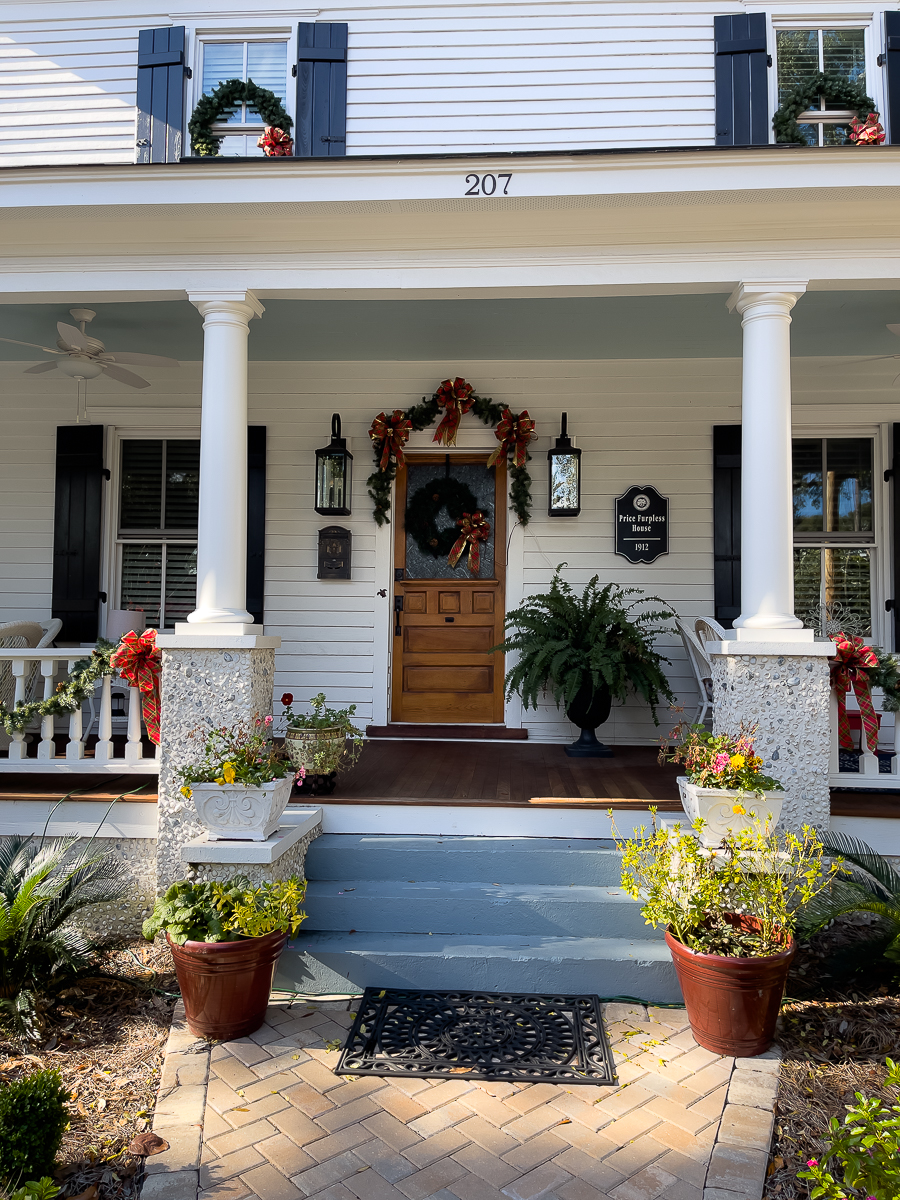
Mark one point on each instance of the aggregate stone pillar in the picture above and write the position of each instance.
(205, 682)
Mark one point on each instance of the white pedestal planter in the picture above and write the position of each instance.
(716, 807)
(235, 811)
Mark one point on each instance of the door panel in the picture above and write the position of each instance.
(442, 671)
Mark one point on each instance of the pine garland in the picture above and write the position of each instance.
(68, 696)
(222, 101)
(798, 99)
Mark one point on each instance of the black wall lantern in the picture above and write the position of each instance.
(564, 483)
(334, 470)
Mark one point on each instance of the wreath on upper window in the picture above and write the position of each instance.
(797, 100)
(218, 104)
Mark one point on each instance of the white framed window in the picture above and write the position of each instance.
(155, 558)
(263, 58)
(836, 49)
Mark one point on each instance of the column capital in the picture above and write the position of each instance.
(780, 294)
(228, 302)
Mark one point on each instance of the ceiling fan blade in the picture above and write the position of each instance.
(894, 329)
(139, 360)
(855, 362)
(33, 345)
(73, 336)
(41, 368)
(123, 376)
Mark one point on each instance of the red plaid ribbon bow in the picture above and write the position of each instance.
(393, 434)
(854, 661)
(868, 133)
(276, 143)
(138, 661)
(513, 433)
(456, 397)
(473, 530)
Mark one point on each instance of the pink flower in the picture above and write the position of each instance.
(720, 763)
(268, 720)
(301, 775)
(814, 1162)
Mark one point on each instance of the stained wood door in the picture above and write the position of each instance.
(442, 672)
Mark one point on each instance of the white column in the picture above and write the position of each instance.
(767, 564)
(222, 520)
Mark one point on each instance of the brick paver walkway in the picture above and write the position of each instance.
(279, 1125)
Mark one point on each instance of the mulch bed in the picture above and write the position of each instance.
(841, 1021)
(107, 1038)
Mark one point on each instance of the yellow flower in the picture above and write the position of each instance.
(228, 772)
(220, 781)
(737, 761)
(186, 792)
(739, 809)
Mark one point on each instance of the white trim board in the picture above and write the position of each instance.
(80, 818)
(392, 818)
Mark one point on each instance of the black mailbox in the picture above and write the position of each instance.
(334, 553)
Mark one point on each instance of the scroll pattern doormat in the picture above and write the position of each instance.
(478, 1035)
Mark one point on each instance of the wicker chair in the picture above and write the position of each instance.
(708, 630)
(702, 668)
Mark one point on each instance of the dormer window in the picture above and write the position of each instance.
(266, 63)
(802, 54)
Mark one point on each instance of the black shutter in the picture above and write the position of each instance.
(321, 89)
(77, 530)
(727, 522)
(742, 89)
(256, 522)
(892, 83)
(895, 526)
(160, 94)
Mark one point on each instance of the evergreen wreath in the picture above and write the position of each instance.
(423, 508)
(424, 414)
(222, 101)
(68, 695)
(798, 99)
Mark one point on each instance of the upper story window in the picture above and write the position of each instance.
(803, 53)
(266, 63)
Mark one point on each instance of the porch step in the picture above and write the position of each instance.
(455, 732)
(498, 913)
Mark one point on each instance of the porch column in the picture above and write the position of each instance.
(222, 518)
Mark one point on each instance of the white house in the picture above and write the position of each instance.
(578, 208)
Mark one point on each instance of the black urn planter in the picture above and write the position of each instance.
(589, 709)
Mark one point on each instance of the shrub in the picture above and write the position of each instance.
(36, 1189)
(227, 912)
(33, 1118)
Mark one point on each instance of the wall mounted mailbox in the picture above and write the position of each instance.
(642, 525)
(334, 553)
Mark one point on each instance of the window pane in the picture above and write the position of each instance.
(809, 134)
(846, 579)
(221, 61)
(798, 58)
(850, 485)
(844, 54)
(808, 508)
(182, 484)
(141, 499)
(808, 585)
(142, 579)
(836, 135)
(181, 583)
(267, 66)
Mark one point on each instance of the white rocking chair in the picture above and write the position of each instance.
(702, 668)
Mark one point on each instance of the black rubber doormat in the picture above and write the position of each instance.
(478, 1035)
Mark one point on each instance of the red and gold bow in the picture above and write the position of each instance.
(473, 529)
(393, 434)
(455, 397)
(854, 661)
(137, 660)
(513, 433)
(867, 133)
(276, 143)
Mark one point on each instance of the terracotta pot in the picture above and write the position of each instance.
(732, 1003)
(225, 985)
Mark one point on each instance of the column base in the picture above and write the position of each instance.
(216, 628)
(762, 633)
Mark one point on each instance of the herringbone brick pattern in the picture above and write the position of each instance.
(280, 1125)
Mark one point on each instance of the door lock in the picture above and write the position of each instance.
(398, 609)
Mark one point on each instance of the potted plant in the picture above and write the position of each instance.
(586, 651)
(226, 940)
(729, 916)
(316, 742)
(242, 784)
(724, 785)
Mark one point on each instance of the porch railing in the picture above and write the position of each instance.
(92, 738)
(875, 770)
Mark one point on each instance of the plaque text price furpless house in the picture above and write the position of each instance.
(642, 525)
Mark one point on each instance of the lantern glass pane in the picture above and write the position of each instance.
(333, 481)
(564, 481)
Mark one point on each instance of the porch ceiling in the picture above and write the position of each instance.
(825, 323)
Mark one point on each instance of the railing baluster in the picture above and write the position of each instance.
(17, 744)
(103, 751)
(134, 750)
(47, 748)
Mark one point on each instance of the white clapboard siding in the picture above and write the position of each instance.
(421, 78)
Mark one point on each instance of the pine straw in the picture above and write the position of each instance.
(107, 1041)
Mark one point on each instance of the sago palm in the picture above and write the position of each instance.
(42, 947)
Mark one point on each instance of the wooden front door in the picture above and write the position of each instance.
(442, 672)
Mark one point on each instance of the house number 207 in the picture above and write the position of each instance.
(487, 185)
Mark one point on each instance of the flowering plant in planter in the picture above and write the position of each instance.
(236, 754)
(719, 760)
(323, 740)
(226, 912)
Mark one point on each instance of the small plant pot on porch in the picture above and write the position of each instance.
(316, 751)
(240, 811)
(589, 709)
(727, 811)
(226, 985)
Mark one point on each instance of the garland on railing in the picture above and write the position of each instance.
(798, 99)
(222, 101)
(69, 695)
(451, 401)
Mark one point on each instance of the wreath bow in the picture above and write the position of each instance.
(868, 133)
(276, 143)
(473, 530)
(138, 661)
(455, 397)
(854, 661)
(513, 433)
(393, 434)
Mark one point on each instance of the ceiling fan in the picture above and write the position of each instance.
(895, 329)
(83, 357)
